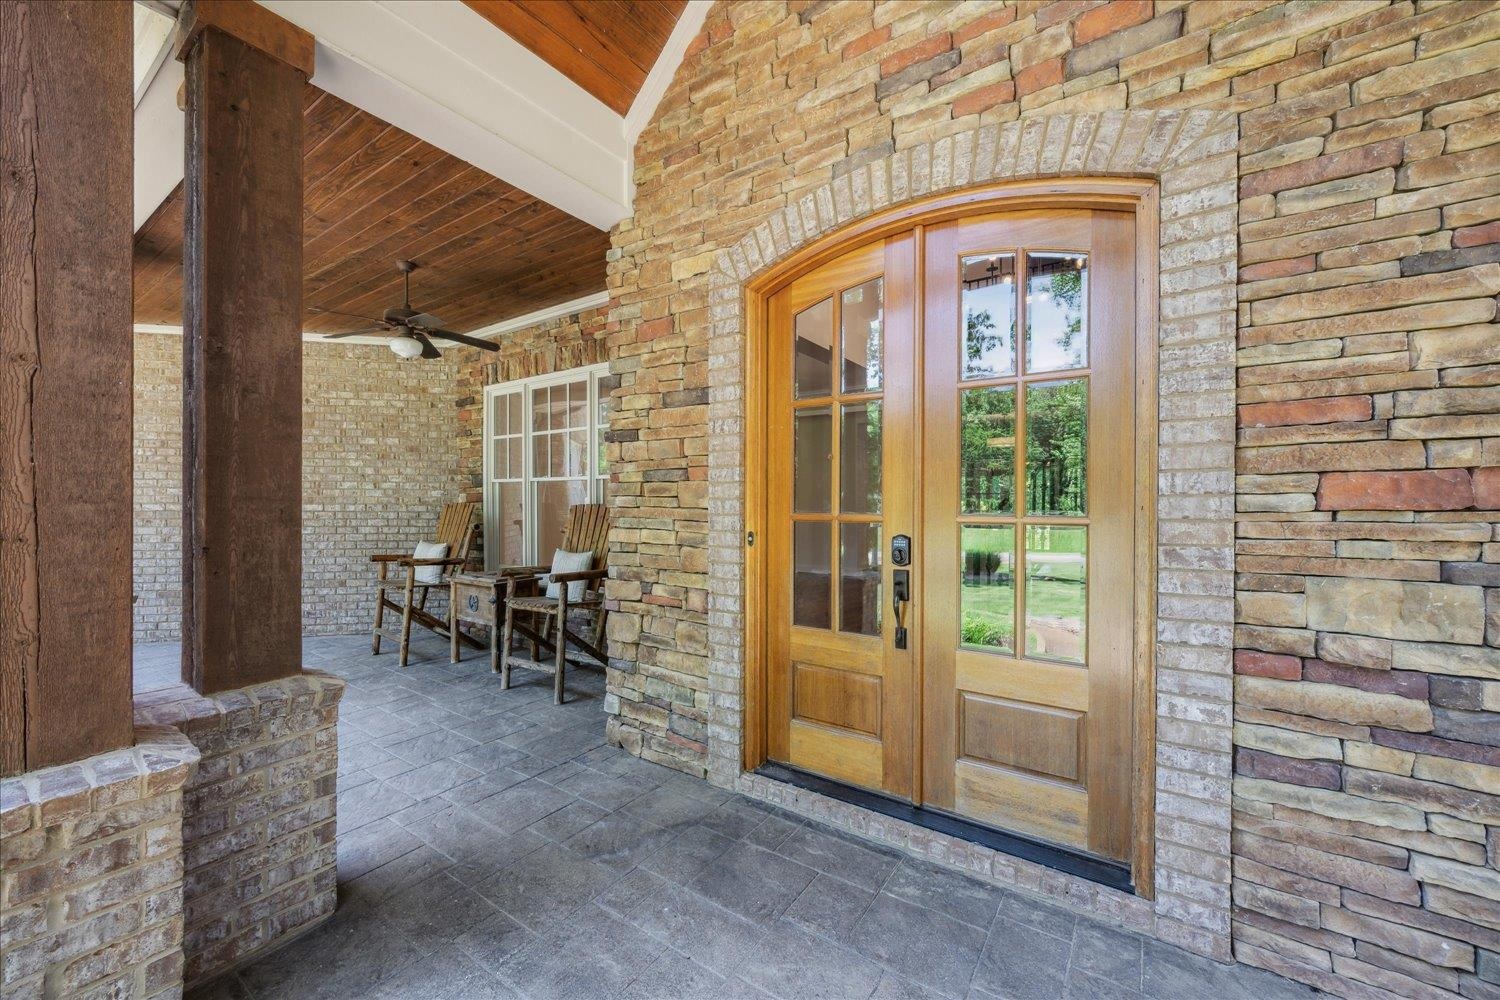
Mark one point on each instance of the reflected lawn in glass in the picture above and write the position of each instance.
(1055, 597)
(987, 588)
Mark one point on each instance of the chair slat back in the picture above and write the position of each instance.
(456, 528)
(588, 531)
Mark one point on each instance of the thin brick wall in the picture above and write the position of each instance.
(377, 468)
(258, 816)
(91, 890)
(1366, 240)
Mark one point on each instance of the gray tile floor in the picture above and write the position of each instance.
(492, 846)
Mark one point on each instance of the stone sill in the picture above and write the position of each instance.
(162, 760)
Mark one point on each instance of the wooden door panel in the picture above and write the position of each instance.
(836, 697)
(841, 433)
(1037, 738)
(1028, 524)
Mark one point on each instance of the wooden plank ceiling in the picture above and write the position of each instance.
(375, 194)
(607, 47)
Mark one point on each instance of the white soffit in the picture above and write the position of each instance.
(446, 75)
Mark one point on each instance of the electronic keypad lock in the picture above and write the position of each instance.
(901, 550)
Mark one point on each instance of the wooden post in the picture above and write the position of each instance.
(246, 70)
(65, 381)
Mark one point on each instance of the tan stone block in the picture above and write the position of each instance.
(1397, 610)
(1334, 701)
(1426, 73)
(1421, 944)
(1476, 344)
(1336, 192)
(1464, 774)
(1378, 758)
(1469, 879)
(1286, 742)
(1443, 286)
(1271, 609)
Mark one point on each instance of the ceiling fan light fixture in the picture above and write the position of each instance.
(405, 346)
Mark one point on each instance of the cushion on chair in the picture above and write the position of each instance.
(569, 562)
(430, 550)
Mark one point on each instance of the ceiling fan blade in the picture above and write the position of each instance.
(426, 321)
(385, 330)
(429, 349)
(340, 312)
(483, 345)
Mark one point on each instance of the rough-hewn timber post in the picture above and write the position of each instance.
(65, 381)
(242, 320)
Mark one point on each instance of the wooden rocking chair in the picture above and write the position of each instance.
(455, 529)
(587, 531)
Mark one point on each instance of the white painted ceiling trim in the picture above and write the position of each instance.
(490, 332)
(440, 71)
(443, 73)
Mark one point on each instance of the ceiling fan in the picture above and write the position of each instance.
(410, 331)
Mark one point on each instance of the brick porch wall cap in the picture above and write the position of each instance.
(162, 760)
(185, 708)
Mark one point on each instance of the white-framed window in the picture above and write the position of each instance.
(543, 453)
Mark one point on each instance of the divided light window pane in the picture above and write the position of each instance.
(1057, 287)
(861, 317)
(988, 304)
(812, 363)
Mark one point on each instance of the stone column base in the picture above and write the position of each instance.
(91, 890)
(258, 824)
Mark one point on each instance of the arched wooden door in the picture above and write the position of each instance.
(960, 397)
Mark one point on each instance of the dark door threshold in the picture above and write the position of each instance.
(1063, 859)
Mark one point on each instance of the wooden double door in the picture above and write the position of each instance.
(951, 521)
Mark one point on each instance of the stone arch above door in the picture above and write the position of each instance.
(1192, 156)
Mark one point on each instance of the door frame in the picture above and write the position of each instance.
(1139, 196)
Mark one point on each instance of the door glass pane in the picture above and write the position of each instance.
(552, 502)
(1056, 306)
(812, 592)
(812, 484)
(1056, 560)
(859, 578)
(989, 315)
(987, 460)
(1057, 448)
(812, 370)
(510, 526)
(988, 587)
(859, 458)
(861, 319)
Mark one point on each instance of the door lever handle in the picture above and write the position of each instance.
(900, 595)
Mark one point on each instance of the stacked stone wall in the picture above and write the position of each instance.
(1365, 550)
(258, 816)
(91, 889)
(377, 467)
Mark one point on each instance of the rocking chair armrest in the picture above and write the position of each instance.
(388, 558)
(522, 570)
(409, 561)
(581, 575)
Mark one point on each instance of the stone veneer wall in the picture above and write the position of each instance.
(91, 890)
(377, 468)
(572, 341)
(258, 816)
(1366, 812)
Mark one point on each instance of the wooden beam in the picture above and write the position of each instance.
(242, 325)
(65, 381)
(252, 24)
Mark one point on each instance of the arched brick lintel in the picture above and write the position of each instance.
(1192, 156)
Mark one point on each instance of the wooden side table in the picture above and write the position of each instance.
(478, 598)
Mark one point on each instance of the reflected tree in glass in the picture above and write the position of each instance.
(987, 449)
(1057, 448)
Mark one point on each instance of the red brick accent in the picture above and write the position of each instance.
(1312, 773)
(1279, 268)
(1487, 488)
(1062, 10)
(866, 42)
(926, 49)
(1474, 236)
(1254, 663)
(1112, 17)
(985, 97)
(654, 328)
(1406, 683)
(1327, 410)
(1047, 73)
(1429, 489)
(982, 25)
(1346, 163)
